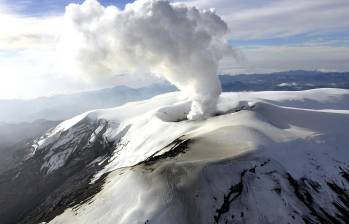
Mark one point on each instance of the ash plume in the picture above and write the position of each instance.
(183, 44)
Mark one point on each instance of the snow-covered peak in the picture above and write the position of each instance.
(287, 150)
(144, 162)
(141, 129)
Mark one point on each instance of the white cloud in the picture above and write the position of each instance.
(266, 59)
(22, 32)
(254, 19)
(180, 43)
(27, 54)
(30, 66)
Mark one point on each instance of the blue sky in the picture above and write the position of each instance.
(334, 36)
(44, 7)
(269, 35)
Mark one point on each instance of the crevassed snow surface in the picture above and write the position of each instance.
(252, 151)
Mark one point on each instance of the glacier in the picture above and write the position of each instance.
(265, 157)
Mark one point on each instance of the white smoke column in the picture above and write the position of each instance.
(181, 43)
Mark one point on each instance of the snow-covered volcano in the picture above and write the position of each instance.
(266, 157)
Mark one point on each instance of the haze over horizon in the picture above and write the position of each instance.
(311, 35)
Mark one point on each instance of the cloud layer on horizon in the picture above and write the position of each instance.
(28, 43)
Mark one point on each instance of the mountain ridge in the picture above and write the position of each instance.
(62, 107)
(262, 148)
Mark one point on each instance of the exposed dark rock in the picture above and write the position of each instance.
(177, 147)
(319, 214)
(345, 173)
(234, 192)
(30, 195)
(308, 192)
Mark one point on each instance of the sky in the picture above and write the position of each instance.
(269, 36)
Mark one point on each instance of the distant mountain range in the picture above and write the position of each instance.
(61, 107)
(288, 81)
(16, 139)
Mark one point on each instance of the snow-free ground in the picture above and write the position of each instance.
(266, 157)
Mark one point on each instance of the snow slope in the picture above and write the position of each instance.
(266, 157)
